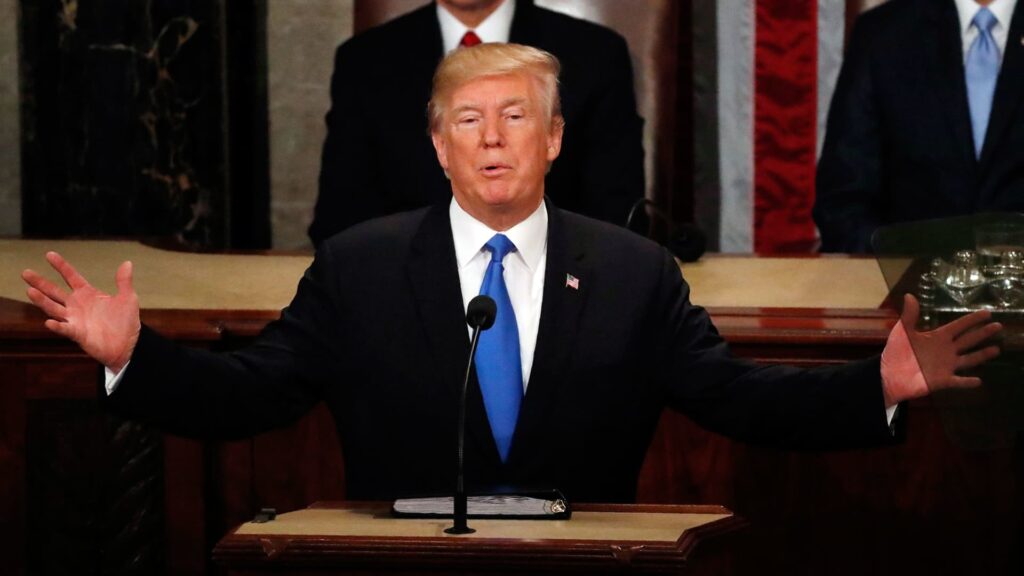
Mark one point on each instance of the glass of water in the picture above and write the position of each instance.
(993, 240)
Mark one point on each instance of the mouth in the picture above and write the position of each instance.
(495, 170)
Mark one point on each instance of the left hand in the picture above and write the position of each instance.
(915, 363)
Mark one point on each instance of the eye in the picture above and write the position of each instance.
(515, 114)
(467, 120)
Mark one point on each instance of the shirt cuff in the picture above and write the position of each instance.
(112, 380)
(890, 413)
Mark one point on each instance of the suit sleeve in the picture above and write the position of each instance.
(345, 196)
(613, 158)
(849, 177)
(775, 405)
(198, 393)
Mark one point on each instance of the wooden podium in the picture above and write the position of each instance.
(363, 538)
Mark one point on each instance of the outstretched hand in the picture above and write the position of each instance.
(916, 363)
(106, 327)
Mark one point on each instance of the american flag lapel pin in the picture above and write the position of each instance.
(572, 282)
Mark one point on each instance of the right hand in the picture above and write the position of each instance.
(106, 327)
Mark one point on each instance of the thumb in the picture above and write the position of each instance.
(911, 311)
(124, 278)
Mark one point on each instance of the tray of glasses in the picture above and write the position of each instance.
(966, 281)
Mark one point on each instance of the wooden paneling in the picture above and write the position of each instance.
(924, 506)
(13, 509)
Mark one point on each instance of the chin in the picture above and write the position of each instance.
(498, 198)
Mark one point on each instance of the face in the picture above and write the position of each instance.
(469, 4)
(470, 12)
(495, 144)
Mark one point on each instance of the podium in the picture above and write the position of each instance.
(363, 538)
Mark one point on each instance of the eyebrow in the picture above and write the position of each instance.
(513, 101)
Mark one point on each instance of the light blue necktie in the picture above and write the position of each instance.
(981, 72)
(498, 364)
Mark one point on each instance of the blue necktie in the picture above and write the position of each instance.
(981, 72)
(498, 365)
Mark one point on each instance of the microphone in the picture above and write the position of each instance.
(686, 241)
(481, 312)
(480, 316)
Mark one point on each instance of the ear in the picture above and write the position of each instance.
(555, 138)
(439, 147)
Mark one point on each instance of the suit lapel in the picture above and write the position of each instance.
(524, 28)
(423, 31)
(434, 283)
(946, 63)
(437, 293)
(424, 60)
(557, 335)
(1009, 90)
(432, 44)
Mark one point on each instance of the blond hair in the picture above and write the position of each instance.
(465, 65)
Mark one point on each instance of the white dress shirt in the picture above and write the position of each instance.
(111, 380)
(494, 28)
(1001, 9)
(524, 269)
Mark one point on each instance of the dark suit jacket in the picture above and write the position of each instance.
(378, 159)
(377, 330)
(898, 144)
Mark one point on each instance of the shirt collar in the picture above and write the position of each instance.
(529, 236)
(1001, 9)
(494, 28)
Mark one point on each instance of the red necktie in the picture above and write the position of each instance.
(470, 39)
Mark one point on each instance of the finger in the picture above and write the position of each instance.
(965, 382)
(966, 322)
(51, 308)
(977, 357)
(972, 338)
(911, 311)
(124, 278)
(66, 271)
(61, 328)
(52, 291)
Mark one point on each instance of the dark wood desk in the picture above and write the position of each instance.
(363, 538)
(79, 488)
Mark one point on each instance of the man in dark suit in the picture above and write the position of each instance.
(904, 140)
(378, 159)
(603, 335)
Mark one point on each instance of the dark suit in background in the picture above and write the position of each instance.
(377, 330)
(378, 158)
(898, 144)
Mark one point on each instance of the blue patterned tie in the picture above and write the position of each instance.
(498, 365)
(981, 72)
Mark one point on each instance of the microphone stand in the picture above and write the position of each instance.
(460, 505)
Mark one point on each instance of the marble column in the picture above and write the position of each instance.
(123, 119)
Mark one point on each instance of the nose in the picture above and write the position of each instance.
(493, 136)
